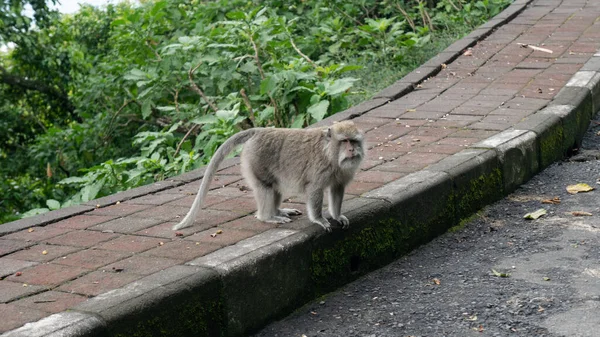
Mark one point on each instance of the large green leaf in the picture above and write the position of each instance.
(319, 110)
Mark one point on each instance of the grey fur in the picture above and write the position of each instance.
(284, 162)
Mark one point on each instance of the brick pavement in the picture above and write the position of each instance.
(495, 85)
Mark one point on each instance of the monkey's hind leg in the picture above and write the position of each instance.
(267, 202)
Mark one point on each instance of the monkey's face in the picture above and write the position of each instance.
(350, 153)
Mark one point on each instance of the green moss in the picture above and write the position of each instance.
(463, 222)
(188, 315)
(551, 146)
(480, 191)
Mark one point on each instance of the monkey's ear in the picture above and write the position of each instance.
(327, 133)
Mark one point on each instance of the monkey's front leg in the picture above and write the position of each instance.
(336, 196)
(314, 207)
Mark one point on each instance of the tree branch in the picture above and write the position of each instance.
(198, 90)
(33, 85)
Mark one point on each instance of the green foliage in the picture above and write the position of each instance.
(109, 99)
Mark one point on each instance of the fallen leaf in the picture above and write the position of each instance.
(471, 318)
(541, 309)
(436, 281)
(546, 278)
(30, 230)
(18, 273)
(499, 274)
(25, 285)
(45, 252)
(219, 232)
(161, 243)
(411, 110)
(178, 234)
(581, 213)
(553, 201)
(468, 52)
(582, 187)
(535, 215)
(444, 65)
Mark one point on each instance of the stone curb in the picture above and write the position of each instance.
(212, 295)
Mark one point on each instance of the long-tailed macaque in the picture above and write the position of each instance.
(284, 162)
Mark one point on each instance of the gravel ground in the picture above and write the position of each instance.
(547, 281)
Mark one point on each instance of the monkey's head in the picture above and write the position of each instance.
(346, 145)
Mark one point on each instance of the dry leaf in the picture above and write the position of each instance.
(161, 243)
(574, 189)
(581, 213)
(30, 230)
(436, 281)
(468, 52)
(553, 201)
(499, 274)
(178, 234)
(471, 318)
(45, 252)
(219, 232)
(535, 214)
(411, 110)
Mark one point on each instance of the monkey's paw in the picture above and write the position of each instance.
(344, 221)
(289, 211)
(278, 219)
(323, 223)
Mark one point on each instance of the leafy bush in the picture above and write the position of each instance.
(180, 77)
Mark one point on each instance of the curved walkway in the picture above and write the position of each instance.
(459, 132)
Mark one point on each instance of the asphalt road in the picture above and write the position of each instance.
(499, 275)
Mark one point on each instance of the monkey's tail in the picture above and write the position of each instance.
(209, 173)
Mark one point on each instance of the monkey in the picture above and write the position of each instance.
(279, 162)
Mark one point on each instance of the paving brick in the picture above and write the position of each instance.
(381, 177)
(440, 148)
(434, 133)
(8, 246)
(126, 225)
(360, 187)
(250, 223)
(210, 199)
(366, 122)
(423, 114)
(130, 243)
(120, 209)
(227, 237)
(98, 282)
(91, 258)
(220, 180)
(240, 205)
(462, 142)
(10, 265)
(82, 221)
(142, 265)
(512, 112)
(472, 110)
(10, 291)
(476, 134)
(182, 249)
(456, 121)
(48, 274)
(161, 213)
(441, 104)
(386, 133)
(155, 199)
(51, 301)
(36, 253)
(490, 126)
(37, 233)
(81, 238)
(164, 231)
(14, 316)
(411, 162)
